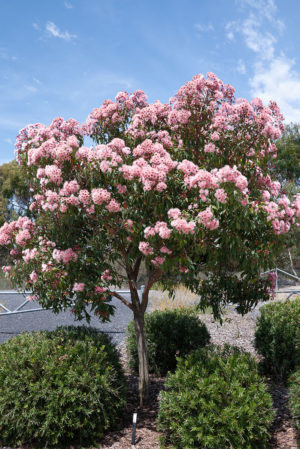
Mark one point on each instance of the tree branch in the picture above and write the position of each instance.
(122, 299)
(137, 267)
(155, 275)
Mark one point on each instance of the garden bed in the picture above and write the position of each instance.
(236, 330)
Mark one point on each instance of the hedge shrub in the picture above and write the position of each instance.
(277, 337)
(215, 399)
(169, 333)
(294, 401)
(59, 387)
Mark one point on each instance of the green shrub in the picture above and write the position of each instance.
(169, 333)
(294, 401)
(215, 399)
(59, 387)
(277, 337)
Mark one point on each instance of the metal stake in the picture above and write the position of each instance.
(133, 429)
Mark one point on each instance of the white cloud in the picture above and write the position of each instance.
(54, 31)
(266, 9)
(203, 28)
(259, 42)
(278, 81)
(274, 76)
(68, 5)
(241, 68)
(230, 28)
(35, 26)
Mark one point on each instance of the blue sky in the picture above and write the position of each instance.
(64, 57)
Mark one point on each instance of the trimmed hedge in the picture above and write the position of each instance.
(294, 400)
(169, 333)
(215, 399)
(59, 387)
(277, 337)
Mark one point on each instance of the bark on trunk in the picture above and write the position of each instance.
(139, 323)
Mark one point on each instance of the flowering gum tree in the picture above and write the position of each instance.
(183, 187)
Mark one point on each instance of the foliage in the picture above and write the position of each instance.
(287, 163)
(169, 333)
(59, 387)
(14, 196)
(294, 400)
(183, 187)
(216, 399)
(277, 337)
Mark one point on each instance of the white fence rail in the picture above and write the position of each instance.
(20, 308)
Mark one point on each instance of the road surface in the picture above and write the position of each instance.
(12, 325)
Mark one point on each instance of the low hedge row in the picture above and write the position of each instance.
(277, 337)
(169, 333)
(59, 387)
(215, 399)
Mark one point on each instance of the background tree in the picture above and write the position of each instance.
(184, 187)
(287, 163)
(287, 170)
(14, 196)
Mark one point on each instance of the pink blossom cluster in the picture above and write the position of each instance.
(160, 228)
(159, 260)
(221, 195)
(65, 256)
(113, 113)
(100, 196)
(206, 217)
(55, 142)
(106, 275)
(145, 248)
(20, 230)
(78, 287)
(99, 289)
(183, 226)
(281, 213)
(151, 168)
(33, 277)
(29, 254)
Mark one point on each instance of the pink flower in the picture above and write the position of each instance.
(158, 260)
(84, 197)
(165, 250)
(99, 289)
(32, 298)
(33, 276)
(6, 269)
(106, 275)
(113, 206)
(100, 196)
(22, 237)
(174, 213)
(209, 148)
(78, 287)
(221, 195)
(145, 248)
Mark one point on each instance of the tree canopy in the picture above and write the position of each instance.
(183, 187)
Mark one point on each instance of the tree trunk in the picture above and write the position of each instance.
(139, 323)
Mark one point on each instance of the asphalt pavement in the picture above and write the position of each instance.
(11, 325)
